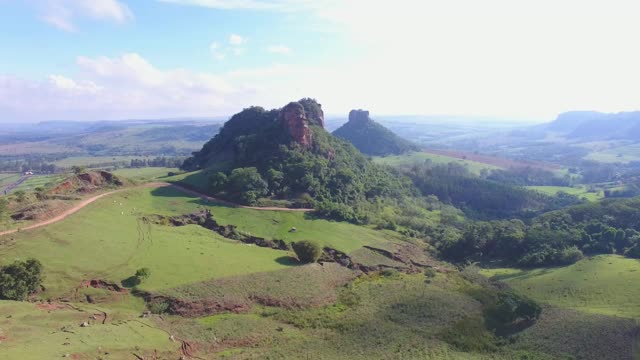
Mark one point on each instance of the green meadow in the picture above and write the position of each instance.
(580, 191)
(420, 157)
(108, 240)
(603, 284)
(30, 331)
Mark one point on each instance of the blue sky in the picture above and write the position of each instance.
(117, 59)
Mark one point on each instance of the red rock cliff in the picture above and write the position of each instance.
(295, 121)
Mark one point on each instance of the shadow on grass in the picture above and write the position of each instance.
(172, 192)
(130, 282)
(524, 274)
(288, 261)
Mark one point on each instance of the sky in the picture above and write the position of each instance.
(128, 59)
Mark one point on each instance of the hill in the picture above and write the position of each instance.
(591, 125)
(372, 138)
(287, 154)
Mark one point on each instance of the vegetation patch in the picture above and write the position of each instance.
(598, 284)
(297, 287)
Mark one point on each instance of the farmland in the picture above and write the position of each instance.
(421, 157)
(324, 310)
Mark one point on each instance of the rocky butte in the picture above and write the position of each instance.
(295, 119)
(359, 116)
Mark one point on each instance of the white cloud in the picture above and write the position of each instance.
(63, 13)
(279, 49)
(243, 4)
(128, 86)
(236, 40)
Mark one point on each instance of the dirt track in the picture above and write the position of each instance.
(88, 201)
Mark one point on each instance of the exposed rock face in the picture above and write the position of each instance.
(296, 122)
(320, 118)
(358, 116)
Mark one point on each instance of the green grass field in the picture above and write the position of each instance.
(176, 255)
(29, 331)
(40, 181)
(615, 153)
(602, 284)
(420, 157)
(7, 179)
(146, 173)
(107, 241)
(578, 191)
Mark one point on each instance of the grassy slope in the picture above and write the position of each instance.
(7, 179)
(40, 181)
(114, 234)
(578, 191)
(102, 243)
(603, 284)
(35, 333)
(418, 157)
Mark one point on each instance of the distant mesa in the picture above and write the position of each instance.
(372, 138)
(359, 116)
(592, 125)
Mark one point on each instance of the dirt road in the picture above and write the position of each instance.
(88, 201)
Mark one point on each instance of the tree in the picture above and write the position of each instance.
(143, 273)
(20, 195)
(78, 169)
(20, 279)
(247, 185)
(307, 251)
(217, 182)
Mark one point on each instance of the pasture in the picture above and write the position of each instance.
(35, 331)
(602, 284)
(108, 240)
(580, 191)
(421, 157)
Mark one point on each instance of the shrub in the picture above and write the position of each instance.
(508, 311)
(20, 279)
(390, 273)
(159, 307)
(307, 251)
(430, 273)
(569, 256)
(143, 273)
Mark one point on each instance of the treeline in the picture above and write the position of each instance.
(171, 162)
(482, 198)
(527, 176)
(27, 165)
(555, 238)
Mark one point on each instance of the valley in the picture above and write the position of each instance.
(432, 254)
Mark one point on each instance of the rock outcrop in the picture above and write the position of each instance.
(372, 138)
(359, 116)
(295, 121)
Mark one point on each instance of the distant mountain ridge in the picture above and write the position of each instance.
(593, 125)
(372, 138)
